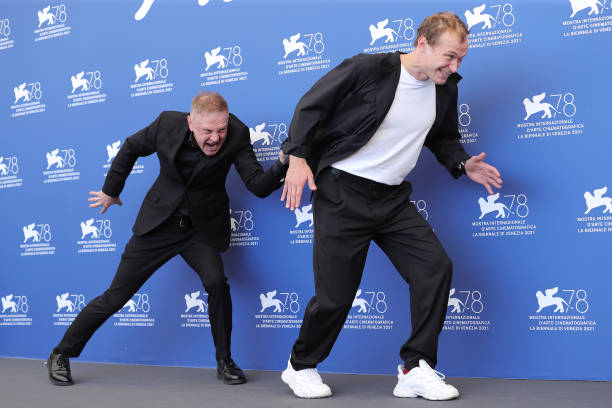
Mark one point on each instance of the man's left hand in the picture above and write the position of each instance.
(483, 173)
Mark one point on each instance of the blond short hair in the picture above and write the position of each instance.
(437, 24)
(208, 102)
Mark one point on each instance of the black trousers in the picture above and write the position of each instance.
(143, 255)
(350, 212)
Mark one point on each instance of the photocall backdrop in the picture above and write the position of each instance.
(531, 288)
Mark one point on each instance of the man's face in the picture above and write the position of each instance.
(444, 58)
(209, 130)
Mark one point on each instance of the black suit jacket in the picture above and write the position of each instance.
(343, 110)
(204, 192)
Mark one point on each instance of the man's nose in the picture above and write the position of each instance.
(454, 65)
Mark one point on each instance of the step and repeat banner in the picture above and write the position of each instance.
(532, 263)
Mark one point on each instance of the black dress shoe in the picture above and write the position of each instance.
(229, 372)
(59, 369)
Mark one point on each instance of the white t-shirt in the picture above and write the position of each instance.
(393, 150)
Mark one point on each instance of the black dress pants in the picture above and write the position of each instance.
(350, 212)
(143, 255)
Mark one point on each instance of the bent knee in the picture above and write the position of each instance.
(441, 264)
(446, 264)
(216, 284)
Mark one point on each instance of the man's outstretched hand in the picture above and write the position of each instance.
(483, 173)
(297, 175)
(103, 200)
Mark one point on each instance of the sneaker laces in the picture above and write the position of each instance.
(62, 362)
(433, 376)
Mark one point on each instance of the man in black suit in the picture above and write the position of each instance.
(185, 212)
(360, 129)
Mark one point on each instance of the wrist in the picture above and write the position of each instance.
(295, 160)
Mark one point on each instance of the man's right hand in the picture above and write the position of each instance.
(298, 173)
(103, 200)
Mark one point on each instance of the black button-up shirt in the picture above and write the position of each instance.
(187, 158)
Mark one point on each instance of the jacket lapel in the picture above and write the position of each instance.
(387, 80)
(177, 134)
(444, 95)
(442, 99)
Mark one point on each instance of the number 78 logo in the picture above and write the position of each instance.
(465, 300)
(371, 300)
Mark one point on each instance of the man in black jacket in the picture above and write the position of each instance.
(360, 129)
(185, 212)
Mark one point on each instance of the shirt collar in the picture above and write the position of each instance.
(191, 139)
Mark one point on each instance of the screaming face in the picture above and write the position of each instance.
(209, 130)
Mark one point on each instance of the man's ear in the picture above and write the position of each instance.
(422, 42)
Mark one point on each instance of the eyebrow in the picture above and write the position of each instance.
(209, 129)
(453, 53)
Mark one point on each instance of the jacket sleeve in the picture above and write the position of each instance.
(319, 103)
(140, 144)
(260, 183)
(445, 145)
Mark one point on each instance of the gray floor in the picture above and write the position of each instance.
(24, 383)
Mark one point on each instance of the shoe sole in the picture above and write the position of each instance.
(231, 382)
(405, 395)
(60, 383)
(285, 378)
(427, 397)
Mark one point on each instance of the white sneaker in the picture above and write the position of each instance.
(305, 383)
(425, 382)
